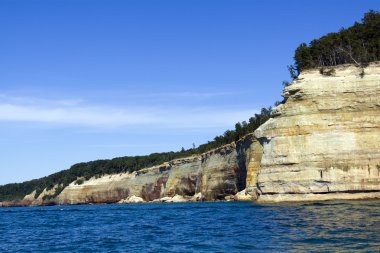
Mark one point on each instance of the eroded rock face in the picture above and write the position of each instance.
(323, 143)
(324, 140)
(131, 200)
(31, 200)
(212, 175)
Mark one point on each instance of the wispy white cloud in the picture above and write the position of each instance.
(77, 113)
(181, 95)
(124, 145)
(37, 101)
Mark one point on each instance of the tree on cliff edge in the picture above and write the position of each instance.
(358, 44)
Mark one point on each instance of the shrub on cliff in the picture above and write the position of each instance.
(79, 181)
(327, 72)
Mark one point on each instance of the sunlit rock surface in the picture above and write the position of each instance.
(131, 200)
(324, 142)
(210, 176)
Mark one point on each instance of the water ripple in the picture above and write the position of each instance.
(339, 226)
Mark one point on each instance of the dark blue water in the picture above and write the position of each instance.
(193, 227)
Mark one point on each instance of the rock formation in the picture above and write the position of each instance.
(131, 200)
(210, 176)
(324, 141)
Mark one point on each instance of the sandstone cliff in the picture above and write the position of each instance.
(212, 175)
(324, 141)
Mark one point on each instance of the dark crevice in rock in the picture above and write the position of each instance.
(322, 181)
(242, 164)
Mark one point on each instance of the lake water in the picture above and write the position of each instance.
(193, 227)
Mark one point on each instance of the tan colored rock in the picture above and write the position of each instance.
(324, 142)
(318, 197)
(30, 197)
(164, 199)
(178, 198)
(132, 200)
(229, 197)
(197, 197)
(213, 175)
(244, 196)
(253, 163)
(175, 199)
(42, 198)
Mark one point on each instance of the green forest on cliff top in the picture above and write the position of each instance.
(358, 44)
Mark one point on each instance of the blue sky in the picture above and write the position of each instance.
(85, 80)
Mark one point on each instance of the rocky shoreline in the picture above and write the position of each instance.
(238, 197)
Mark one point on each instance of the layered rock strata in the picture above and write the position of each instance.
(210, 176)
(324, 141)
